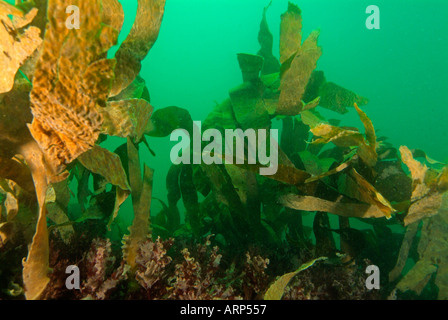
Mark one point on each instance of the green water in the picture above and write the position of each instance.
(402, 68)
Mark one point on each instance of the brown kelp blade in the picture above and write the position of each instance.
(139, 42)
(368, 126)
(429, 195)
(338, 99)
(36, 265)
(432, 255)
(15, 170)
(71, 81)
(290, 32)
(16, 45)
(418, 172)
(141, 201)
(276, 290)
(112, 13)
(108, 164)
(406, 245)
(344, 209)
(266, 41)
(359, 188)
(126, 118)
(343, 137)
(295, 80)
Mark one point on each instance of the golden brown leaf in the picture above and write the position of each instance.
(426, 207)
(339, 136)
(112, 14)
(418, 173)
(417, 278)
(72, 80)
(290, 32)
(368, 126)
(365, 192)
(126, 118)
(15, 113)
(139, 42)
(296, 78)
(432, 251)
(276, 290)
(141, 202)
(15, 45)
(336, 170)
(409, 236)
(107, 164)
(429, 195)
(308, 203)
(36, 265)
(343, 137)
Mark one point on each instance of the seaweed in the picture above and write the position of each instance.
(225, 231)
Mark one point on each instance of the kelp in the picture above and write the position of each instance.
(406, 245)
(266, 41)
(71, 82)
(276, 290)
(16, 170)
(359, 188)
(141, 201)
(418, 153)
(341, 208)
(428, 209)
(79, 98)
(295, 79)
(432, 251)
(15, 114)
(337, 98)
(164, 121)
(112, 13)
(338, 169)
(16, 45)
(314, 165)
(290, 32)
(139, 42)
(332, 96)
(429, 194)
(107, 164)
(249, 106)
(343, 137)
(57, 200)
(126, 118)
(250, 66)
(36, 265)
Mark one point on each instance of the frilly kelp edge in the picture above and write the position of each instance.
(224, 231)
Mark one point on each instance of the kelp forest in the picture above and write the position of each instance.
(342, 198)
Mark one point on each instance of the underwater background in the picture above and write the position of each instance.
(401, 68)
(362, 177)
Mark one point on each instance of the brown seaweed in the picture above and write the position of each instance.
(17, 44)
(140, 40)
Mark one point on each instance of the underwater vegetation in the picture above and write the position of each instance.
(224, 231)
